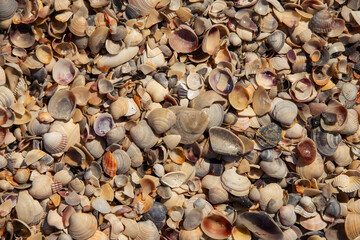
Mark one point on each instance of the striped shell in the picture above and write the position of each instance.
(55, 142)
(109, 164)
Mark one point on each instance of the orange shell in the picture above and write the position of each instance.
(109, 164)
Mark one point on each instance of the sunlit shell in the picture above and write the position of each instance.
(271, 198)
(44, 53)
(239, 98)
(82, 225)
(266, 78)
(303, 90)
(283, 111)
(225, 142)
(55, 142)
(312, 170)
(161, 120)
(27, 209)
(261, 101)
(212, 38)
(78, 26)
(22, 35)
(314, 223)
(143, 136)
(234, 183)
(62, 105)
(326, 143)
(98, 38)
(103, 124)
(41, 187)
(216, 226)
(183, 40)
(109, 164)
(64, 71)
(8, 9)
(221, 81)
(307, 150)
(321, 22)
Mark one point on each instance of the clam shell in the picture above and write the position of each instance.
(261, 101)
(22, 35)
(78, 26)
(190, 124)
(82, 226)
(216, 226)
(287, 215)
(97, 39)
(174, 179)
(271, 197)
(234, 183)
(103, 124)
(119, 108)
(101, 205)
(276, 168)
(270, 135)
(27, 209)
(312, 170)
(326, 143)
(147, 231)
(161, 120)
(8, 9)
(221, 81)
(239, 98)
(283, 111)
(183, 40)
(276, 40)
(307, 150)
(123, 161)
(55, 142)
(64, 71)
(41, 187)
(216, 115)
(261, 224)
(342, 156)
(7, 98)
(225, 142)
(44, 53)
(265, 78)
(143, 136)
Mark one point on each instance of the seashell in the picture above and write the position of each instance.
(221, 81)
(206, 99)
(115, 135)
(63, 176)
(287, 215)
(190, 124)
(161, 120)
(193, 234)
(314, 223)
(147, 231)
(109, 61)
(307, 150)
(307, 204)
(351, 225)
(239, 98)
(55, 142)
(73, 199)
(103, 124)
(119, 108)
(123, 161)
(218, 195)
(321, 22)
(342, 156)
(157, 214)
(275, 168)
(22, 35)
(283, 111)
(131, 227)
(216, 115)
(8, 9)
(174, 179)
(312, 170)
(97, 39)
(22, 175)
(332, 208)
(143, 136)
(276, 40)
(156, 91)
(41, 187)
(78, 26)
(183, 40)
(27, 209)
(6, 208)
(216, 225)
(171, 141)
(335, 231)
(261, 224)
(265, 78)
(82, 225)
(225, 142)
(101, 205)
(64, 71)
(7, 98)
(261, 101)
(271, 198)
(109, 164)
(234, 183)
(270, 135)
(326, 142)
(348, 94)
(44, 53)
(212, 38)
(303, 90)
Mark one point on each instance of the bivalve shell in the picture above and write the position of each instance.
(82, 226)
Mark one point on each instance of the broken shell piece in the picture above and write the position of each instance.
(216, 226)
(64, 71)
(225, 142)
(221, 81)
(183, 40)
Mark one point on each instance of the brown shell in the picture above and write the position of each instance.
(109, 164)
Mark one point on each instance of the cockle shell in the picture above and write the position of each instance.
(41, 187)
(109, 164)
(234, 183)
(123, 161)
(314, 223)
(352, 225)
(82, 226)
(78, 26)
(55, 142)
(321, 22)
(161, 120)
(147, 231)
(7, 98)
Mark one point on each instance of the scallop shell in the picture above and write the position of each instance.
(283, 111)
(321, 22)
(82, 226)
(314, 223)
(234, 183)
(55, 142)
(161, 120)
(143, 136)
(183, 40)
(7, 98)
(190, 124)
(64, 71)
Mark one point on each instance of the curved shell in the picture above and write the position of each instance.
(276, 40)
(239, 98)
(78, 26)
(234, 183)
(276, 168)
(143, 136)
(307, 150)
(64, 71)
(283, 111)
(44, 53)
(216, 115)
(97, 39)
(314, 223)
(7, 98)
(119, 108)
(326, 143)
(109, 164)
(82, 226)
(55, 142)
(216, 226)
(312, 170)
(22, 35)
(266, 78)
(321, 22)
(41, 187)
(190, 124)
(103, 124)
(261, 101)
(221, 81)
(123, 161)
(174, 179)
(271, 197)
(7, 9)
(27, 209)
(303, 90)
(225, 142)
(161, 120)
(147, 231)
(352, 228)
(287, 215)
(184, 40)
(342, 156)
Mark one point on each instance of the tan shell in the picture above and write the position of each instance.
(119, 108)
(147, 231)
(82, 225)
(78, 26)
(44, 53)
(225, 142)
(143, 136)
(55, 142)
(28, 209)
(312, 170)
(161, 120)
(41, 187)
(234, 183)
(174, 179)
(352, 225)
(216, 226)
(271, 197)
(64, 71)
